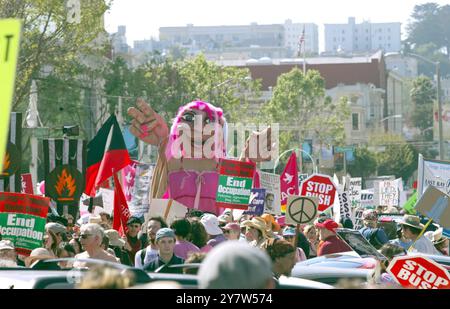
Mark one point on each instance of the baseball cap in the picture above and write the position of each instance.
(327, 224)
(164, 232)
(232, 226)
(211, 224)
(55, 227)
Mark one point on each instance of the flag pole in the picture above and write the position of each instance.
(304, 51)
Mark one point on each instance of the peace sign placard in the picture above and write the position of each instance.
(301, 209)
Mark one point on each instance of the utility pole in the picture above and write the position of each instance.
(439, 101)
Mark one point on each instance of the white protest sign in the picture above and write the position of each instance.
(388, 193)
(301, 209)
(108, 200)
(354, 191)
(140, 201)
(358, 222)
(168, 209)
(435, 173)
(367, 198)
(271, 182)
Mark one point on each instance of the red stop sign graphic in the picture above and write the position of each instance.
(322, 187)
(419, 273)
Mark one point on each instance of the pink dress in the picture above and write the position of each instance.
(194, 189)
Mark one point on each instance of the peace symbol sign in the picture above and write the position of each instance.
(302, 210)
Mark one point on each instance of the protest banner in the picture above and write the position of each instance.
(433, 172)
(342, 209)
(358, 222)
(359, 244)
(27, 184)
(257, 200)
(169, 209)
(418, 272)
(367, 198)
(354, 191)
(128, 177)
(271, 182)
(301, 209)
(9, 175)
(140, 200)
(289, 181)
(22, 220)
(322, 187)
(410, 204)
(64, 170)
(434, 204)
(388, 193)
(235, 184)
(9, 51)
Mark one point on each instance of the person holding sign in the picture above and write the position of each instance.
(411, 229)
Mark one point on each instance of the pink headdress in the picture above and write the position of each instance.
(211, 112)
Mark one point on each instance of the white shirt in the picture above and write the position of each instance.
(424, 245)
(150, 255)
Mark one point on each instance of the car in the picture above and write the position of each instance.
(331, 275)
(341, 260)
(28, 278)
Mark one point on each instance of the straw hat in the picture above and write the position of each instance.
(257, 223)
(438, 237)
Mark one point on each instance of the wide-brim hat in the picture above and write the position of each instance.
(257, 223)
(438, 236)
(413, 221)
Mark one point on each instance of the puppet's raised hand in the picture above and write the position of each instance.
(147, 125)
(258, 146)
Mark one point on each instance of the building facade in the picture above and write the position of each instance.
(360, 38)
(294, 31)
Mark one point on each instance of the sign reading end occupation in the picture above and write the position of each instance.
(419, 272)
(22, 220)
(301, 209)
(322, 187)
(235, 184)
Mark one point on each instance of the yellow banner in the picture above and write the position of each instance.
(9, 51)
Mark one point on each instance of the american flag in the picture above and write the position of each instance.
(301, 41)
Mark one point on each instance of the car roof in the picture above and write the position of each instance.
(317, 272)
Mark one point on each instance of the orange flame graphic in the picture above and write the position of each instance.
(66, 184)
(6, 163)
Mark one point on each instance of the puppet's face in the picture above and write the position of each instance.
(196, 131)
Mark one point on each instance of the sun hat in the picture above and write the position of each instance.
(257, 223)
(413, 221)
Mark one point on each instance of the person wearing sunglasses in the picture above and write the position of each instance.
(91, 237)
(232, 231)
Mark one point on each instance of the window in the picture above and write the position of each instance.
(380, 30)
(355, 121)
(379, 38)
(334, 39)
(343, 31)
(389, 29)
(367, 30)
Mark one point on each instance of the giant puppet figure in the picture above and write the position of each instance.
(186, 169)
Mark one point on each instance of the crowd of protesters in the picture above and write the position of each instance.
(155, 245)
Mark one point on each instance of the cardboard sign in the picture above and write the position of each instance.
(9, 52)
(27, 184)
(235, 184)
(345, 210)
(322, 187)
(367, 198)
(419, 272)
(388, 193)
(358, 243)
(435, 173)
(169, 209)
(358, 222)
(410, 204)
(22, 220)
(434, 204)
(301, 209)
(354, 191)
(271, 182)
(257, 200)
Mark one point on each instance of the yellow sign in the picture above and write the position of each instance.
(9, 51)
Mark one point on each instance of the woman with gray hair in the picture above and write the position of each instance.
(91, 237)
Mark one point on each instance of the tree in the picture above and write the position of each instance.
(299, 100)
(51, 37)
(365, 163)
(423, 94)
(430, 24)
(398, 159)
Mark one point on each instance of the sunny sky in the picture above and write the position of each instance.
(144, 17)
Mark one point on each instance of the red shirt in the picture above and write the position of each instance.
(332, 245)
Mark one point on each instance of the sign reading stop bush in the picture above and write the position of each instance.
(320, 186)
(419, 273)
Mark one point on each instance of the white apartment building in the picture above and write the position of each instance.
(364, 37)
(402, 65)
(293, 32)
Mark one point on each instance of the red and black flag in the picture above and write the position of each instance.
(10, 175)
(64, 169)
(107, 151)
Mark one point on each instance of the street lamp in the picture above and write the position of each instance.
(438, 90)
(387, 118)
(295, 149)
